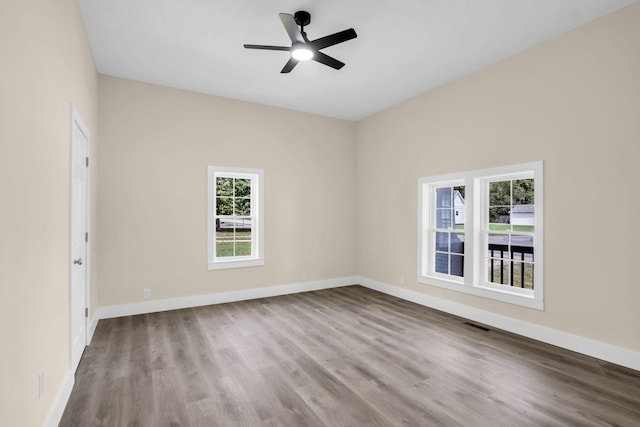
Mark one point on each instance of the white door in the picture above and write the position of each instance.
(79, 239)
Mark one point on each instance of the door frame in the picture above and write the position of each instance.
(76, 120)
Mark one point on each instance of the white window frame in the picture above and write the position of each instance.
(257, 227)
(428, 225)
(476, 210)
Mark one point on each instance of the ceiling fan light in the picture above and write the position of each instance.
(302, 53)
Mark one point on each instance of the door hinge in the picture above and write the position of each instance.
(87, 161)
(86, 237)
(86, 312)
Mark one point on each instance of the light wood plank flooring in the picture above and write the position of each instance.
(340, 357)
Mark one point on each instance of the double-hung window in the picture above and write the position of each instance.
(508, 231)
(480, 232)
(446, 233)
(235, 217)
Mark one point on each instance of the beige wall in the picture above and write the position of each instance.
(574, 103)
(155, 145)
(340, 197)
(46, 66)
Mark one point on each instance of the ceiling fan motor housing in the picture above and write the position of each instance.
(302, 18)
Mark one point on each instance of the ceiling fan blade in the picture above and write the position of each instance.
(289, 65)
(332, 39)
(292, 28)
(327, 60)
(265, 47)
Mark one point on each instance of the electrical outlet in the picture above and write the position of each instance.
(41, 384)
(146, 293)
(303, 277)
(402, 280)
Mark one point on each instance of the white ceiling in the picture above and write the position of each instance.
(404, 47)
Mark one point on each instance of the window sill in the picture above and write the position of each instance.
(221, 265)
(485, 292)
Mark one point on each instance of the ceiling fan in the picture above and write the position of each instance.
(303, 49)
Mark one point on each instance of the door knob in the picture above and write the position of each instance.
(78, 261)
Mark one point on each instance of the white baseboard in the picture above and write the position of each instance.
(60, 402)
(587, 346)
(217, 298)
(610, 353)
(92, 327)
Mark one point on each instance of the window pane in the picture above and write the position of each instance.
(224, 187)
(523, 192)
(242, 224)
(242, 187)
(226, 224)
(243, 240)
(522, 247)
(498, 271)
(498, 246)
(457, 243)
(458, 219)
(243, 207)
(225, 243)
(442, 263)
(457, 265)
(499, 218)
(443, 198)
(500, 193)
(523, 218)
(442, 242)
(224, 206)
(443, 218)
(234, 241)
(458, 207)
(523, 275)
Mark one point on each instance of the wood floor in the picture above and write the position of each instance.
(340, 357)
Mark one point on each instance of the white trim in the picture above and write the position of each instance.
(607, 352)
(218, 298)
(92, 328)
(535, 171)
(427, 228)
(60, 401)
(494, 293)
(235, 263)
(76, 120)
(476, 198)
(257, 202)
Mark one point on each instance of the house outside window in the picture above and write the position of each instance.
(480, 232)
(235, 217)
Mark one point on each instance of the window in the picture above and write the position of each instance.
(481, 233)
(235, 217)
(446, 231)
(509, 231)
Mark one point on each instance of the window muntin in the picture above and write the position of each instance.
(499, 225)
(235, 217)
